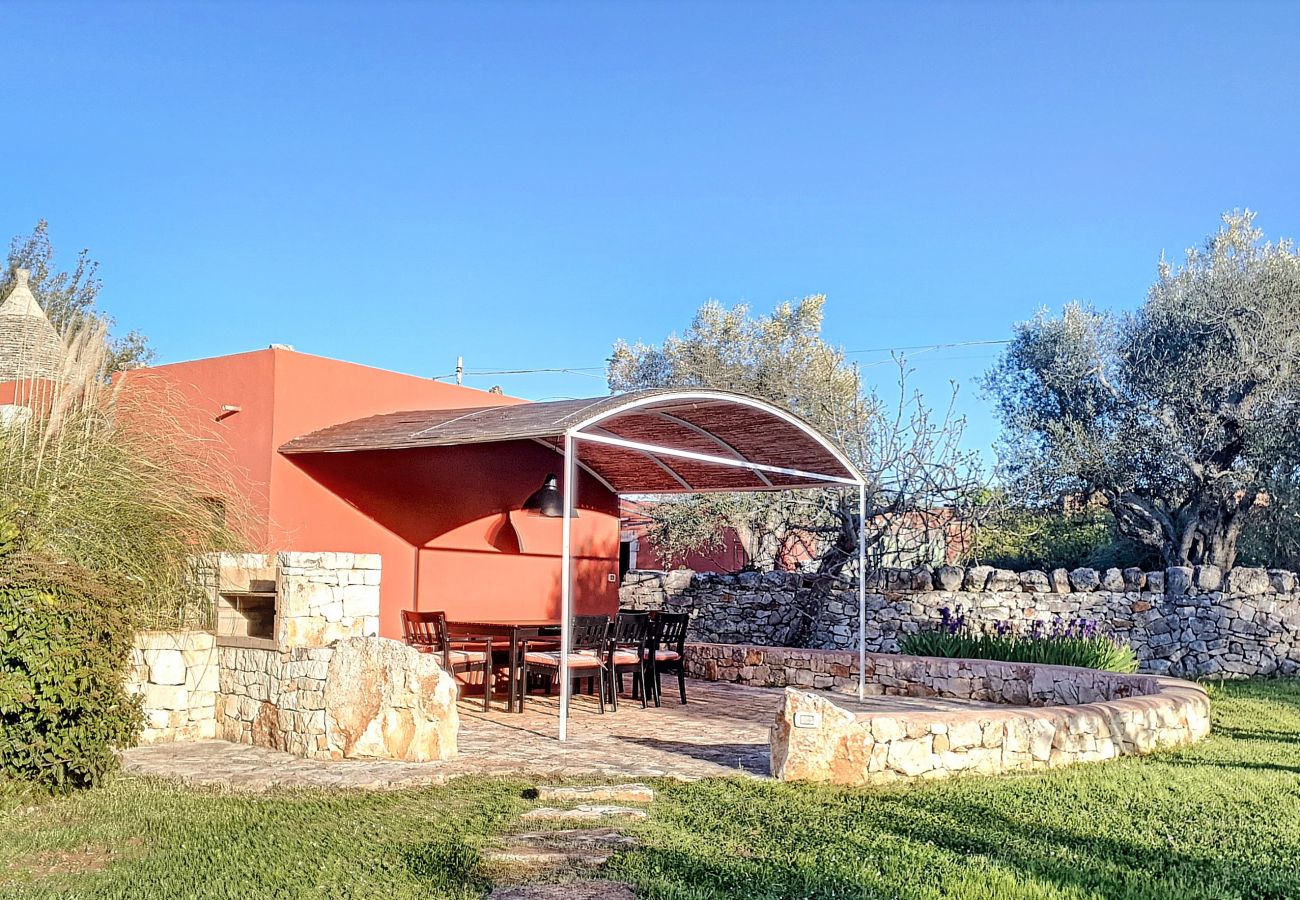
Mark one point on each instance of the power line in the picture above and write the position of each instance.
(598, 371)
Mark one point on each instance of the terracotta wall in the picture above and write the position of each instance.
(453, 503)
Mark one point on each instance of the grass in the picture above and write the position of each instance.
(1217, 820)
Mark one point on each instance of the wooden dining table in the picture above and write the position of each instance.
(516, 632)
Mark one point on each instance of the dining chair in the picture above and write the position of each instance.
(628, 643)
(426, 631)
(667, 651)
(588, 641)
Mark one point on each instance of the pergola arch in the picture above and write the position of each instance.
(660, 441)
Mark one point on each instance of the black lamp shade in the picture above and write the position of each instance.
(547, 499)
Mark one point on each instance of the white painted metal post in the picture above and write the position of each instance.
(566, 581)
(862, 592)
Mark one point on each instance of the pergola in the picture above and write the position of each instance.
(665, 441)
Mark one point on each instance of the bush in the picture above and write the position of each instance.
(1078, 642)
(1039, 539)
(64, 646)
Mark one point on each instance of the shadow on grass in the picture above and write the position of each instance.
(446, 863)
(1256, 734)
(1076, 861)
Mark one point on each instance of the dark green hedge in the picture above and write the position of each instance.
(64, 650)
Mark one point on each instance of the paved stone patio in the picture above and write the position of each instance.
(723, 730)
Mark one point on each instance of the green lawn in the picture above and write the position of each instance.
(1221, 819)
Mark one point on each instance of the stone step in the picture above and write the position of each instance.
(572, 890)
(575, 837)
(586, 812)
(602, 793)
(565, 849)
(542, 858)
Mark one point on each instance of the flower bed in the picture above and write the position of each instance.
(1047, 716)
(1074, 642)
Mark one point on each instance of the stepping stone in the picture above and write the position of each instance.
(573, 890)
(607, 838)
(566, 849)
(583, 813)
(604, 793)
(540, 858)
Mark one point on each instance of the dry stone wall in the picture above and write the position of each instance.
(1189, 622)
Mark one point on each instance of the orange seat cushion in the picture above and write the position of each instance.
(578, 659)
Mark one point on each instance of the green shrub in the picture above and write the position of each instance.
(64, 647)
(1022, 539)
(1079, 642)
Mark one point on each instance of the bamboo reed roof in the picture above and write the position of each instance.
(710, 423)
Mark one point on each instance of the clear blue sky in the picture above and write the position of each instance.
(521, 184)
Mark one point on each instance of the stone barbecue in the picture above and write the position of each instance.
(312, 678)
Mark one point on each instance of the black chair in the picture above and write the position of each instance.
(588, 642)
(667, 651)
(427, 632)
(628, 648)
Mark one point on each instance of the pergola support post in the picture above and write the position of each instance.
(570, 492)
(862, 592)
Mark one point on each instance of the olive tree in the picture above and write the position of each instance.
(1178, 415)
(913, 460)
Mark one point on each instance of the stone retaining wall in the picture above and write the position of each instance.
(815, 739)
(1180, 621)
(1045, 717)
(175, 675)
(894, 675)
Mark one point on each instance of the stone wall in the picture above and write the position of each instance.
(325, 686)
(175, 675)
(895, 675)
(1180, 621)
(816, 739)
(1029, 716)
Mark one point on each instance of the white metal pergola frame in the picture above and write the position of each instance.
(578, 433)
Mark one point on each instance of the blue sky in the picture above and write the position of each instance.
(523, 183)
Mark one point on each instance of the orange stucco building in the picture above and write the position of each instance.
(446, 520)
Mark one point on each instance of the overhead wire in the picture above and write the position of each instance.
(598, 371)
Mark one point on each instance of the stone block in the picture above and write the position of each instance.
(1084, 579)
(1035, 581)
(165, 696)
(385, 700)
(1112, 580)
(165, 666)
(360, 600)
(1244, 581)
(1208, 578)
(1134, 579)
(977, 578)
(1178, 580)
(1002, 580)
(1060, 581)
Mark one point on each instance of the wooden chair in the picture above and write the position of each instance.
(667, 651)
(629, 641)
(427, 632)
(588, 642)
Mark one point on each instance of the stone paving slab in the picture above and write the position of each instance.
(724, 729)
(577, 890)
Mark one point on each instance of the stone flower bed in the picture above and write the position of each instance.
(1047, 716)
